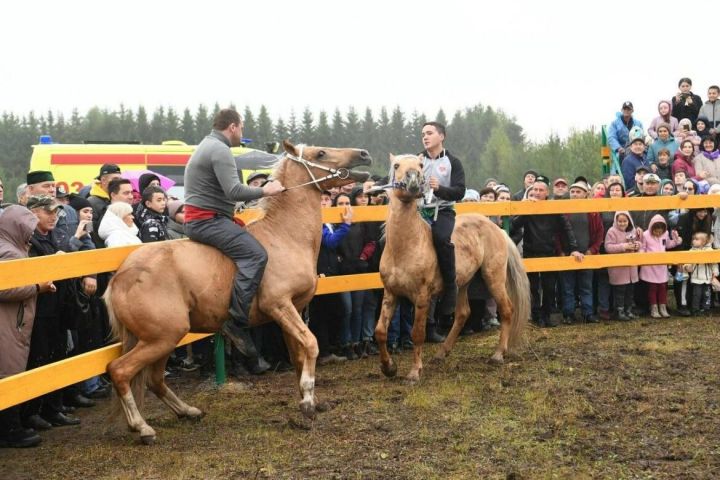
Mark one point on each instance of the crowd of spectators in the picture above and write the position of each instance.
(677, 155)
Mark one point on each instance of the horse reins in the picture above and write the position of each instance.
(341, 173)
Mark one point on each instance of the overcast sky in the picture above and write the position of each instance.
(552, 65)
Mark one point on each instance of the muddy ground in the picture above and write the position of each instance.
(637, 400)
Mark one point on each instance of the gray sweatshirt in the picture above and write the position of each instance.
(211, 177)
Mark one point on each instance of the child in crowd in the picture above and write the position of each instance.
(622, 237)
(117, 227)
(685, 132)
(664, 108)
(701, 275)
(657, 239)
(662, 166)
(701, 127)
(154, 224)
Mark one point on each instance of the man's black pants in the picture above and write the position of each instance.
(441, 232)
(249, 256)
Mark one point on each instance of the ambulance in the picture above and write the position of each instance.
(77, 165)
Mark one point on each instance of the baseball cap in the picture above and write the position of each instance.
(651, 177)
(60, 191)
(45, 202)
(560, 180)
(642, 168)
(543, 179)
(627, 105)
(107, 169)
(581, 185)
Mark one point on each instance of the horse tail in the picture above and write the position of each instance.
(119, 332)
(518, 288)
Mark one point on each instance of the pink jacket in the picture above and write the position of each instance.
(656, 273)
(614, 243)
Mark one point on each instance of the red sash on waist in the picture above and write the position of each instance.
(196, 213)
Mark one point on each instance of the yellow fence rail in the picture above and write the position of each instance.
(19, 388)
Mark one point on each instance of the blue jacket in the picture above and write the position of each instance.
(618, 132)
(332, 240)
(629, 165)
(658, 145)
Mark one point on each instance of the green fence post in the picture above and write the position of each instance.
(220, 376)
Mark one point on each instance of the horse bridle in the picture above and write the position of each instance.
(341, 173)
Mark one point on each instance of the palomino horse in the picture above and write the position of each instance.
(409, 269)
(164, 290)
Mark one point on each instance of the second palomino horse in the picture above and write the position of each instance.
(409, 269)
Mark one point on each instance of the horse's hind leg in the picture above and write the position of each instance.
(422, 305)
(122, 371)
(387, 311)
(158, 386)
(462, 312)
(495, 277)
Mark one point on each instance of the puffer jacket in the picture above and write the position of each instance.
(656, 273)
(615, 241)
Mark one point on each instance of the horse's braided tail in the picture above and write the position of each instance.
(119, 332)
(518, 288)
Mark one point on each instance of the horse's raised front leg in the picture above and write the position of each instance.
(422, 305)
(462, 312)
(158, 386)
(304, 349)
(387, 311)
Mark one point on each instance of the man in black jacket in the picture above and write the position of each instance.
(538, 234)
(445, 186)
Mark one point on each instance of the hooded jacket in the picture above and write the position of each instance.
(672, 121)
(115, 233)
(615, 241)
(702, 273)
(17, 305)
(650, 243)
(619, 131)
(711, 111)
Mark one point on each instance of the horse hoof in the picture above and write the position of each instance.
(193, 414)
(322, 407)
(412, 378)
(389, 370)
(437, 359)
(496, 360)
(147, 439)
(308, 410)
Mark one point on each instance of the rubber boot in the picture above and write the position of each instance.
(663, 311)
(654, 312)
(432, 335)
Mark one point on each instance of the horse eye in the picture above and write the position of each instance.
(396, 166)
(422, 165)
(321, 153)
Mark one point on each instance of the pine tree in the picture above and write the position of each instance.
(249, 125)
(281, 130)
(187, 128)
(264, 128)
(323, 134)
(307, 131)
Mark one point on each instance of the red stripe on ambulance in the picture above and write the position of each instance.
(97, 158)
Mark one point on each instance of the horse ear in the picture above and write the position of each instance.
(289, 147)
(392, 158)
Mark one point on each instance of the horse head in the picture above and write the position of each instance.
(330, 167)
(407, 174)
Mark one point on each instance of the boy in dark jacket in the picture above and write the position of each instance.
(154, 222)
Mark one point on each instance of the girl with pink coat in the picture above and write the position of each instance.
(657, 239)
(622, 237)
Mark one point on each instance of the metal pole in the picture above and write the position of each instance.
(220, 376)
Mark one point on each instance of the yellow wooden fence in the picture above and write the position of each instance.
(15, 273)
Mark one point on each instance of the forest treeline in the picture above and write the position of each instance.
(489, 143)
